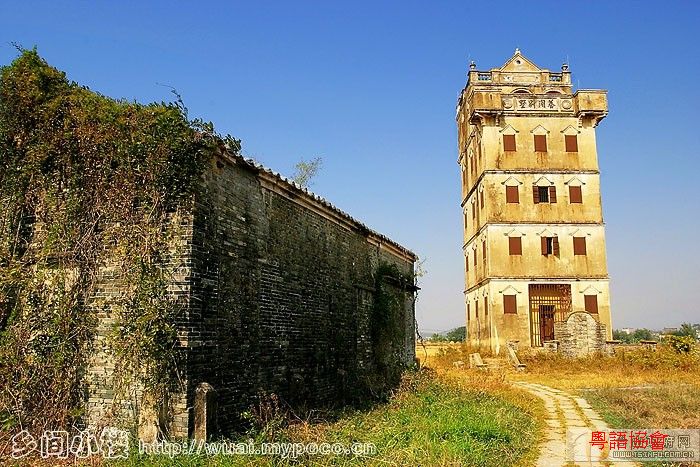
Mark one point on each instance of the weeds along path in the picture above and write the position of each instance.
(563, 411)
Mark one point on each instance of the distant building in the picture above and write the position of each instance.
(534, 240)
(628, 331)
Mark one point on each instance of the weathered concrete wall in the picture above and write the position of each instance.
(532, 263)
(504, 327)
(495, 209)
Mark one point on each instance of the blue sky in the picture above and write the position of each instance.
(371, 87)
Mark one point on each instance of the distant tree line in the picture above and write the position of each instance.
(686, 330)
(633, 337)
(454, 335)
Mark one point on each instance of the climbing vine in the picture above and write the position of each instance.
(90, 187)
(388, 323)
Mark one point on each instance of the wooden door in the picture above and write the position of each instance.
(546, 323)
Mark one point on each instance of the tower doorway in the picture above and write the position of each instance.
(549, 303)
(546, 322)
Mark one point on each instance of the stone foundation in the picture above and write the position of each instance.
(580, 335)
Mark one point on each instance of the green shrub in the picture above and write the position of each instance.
(682, 344)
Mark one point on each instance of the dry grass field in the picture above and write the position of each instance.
(427, 352)
(636, 387)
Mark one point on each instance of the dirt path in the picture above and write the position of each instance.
(563, 411)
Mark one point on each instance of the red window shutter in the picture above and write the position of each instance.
(509, 142)
(535, 194)
(483, 248)
(474, 210)
(512, 195)
(571, 143)
(579, 246)
(467, 311)
(482, 199)
(486, 306)
(510, 304)
(543, 241)
(475, 255)
(466, 263)
(591, 303)
(575, 195)
(476, 309)
(555, 246)
(515, 246)
(552, 194)
(540, 143)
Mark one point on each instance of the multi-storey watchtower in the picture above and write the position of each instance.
(534, 240)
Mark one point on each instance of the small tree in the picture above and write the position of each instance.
(457, 334)
(682, 344)
(642, 335)
(686, 330)
(305, 171)
(437, 337)
(633, 337)
(622, 336)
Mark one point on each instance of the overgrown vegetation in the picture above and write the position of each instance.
(97, 196)
(429, 420)
(89, 186)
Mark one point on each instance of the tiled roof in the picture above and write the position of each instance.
(255, 165)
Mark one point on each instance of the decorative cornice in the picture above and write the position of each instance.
(537, 279)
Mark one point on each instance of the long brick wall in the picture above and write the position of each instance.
(279, 287)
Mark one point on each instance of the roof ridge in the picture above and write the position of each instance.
(319, 199)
